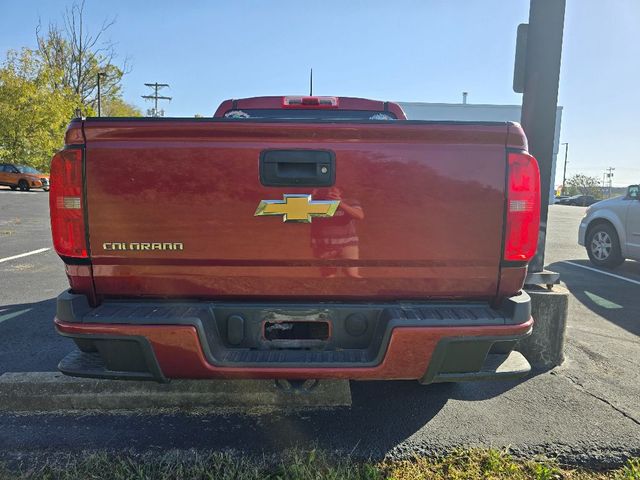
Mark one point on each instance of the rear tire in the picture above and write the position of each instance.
(603, 246)
(24, 186)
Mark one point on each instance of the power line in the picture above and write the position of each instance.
(609, 175)
(155, 97)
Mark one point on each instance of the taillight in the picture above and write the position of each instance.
(66, 204)
(523, 207)
(305, 102)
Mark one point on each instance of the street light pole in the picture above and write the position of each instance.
(564, 172)
(99, 98)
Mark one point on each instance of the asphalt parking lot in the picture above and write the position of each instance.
(586, 411)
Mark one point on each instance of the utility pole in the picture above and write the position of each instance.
(155, 97)
(540, 74)
(564, 172)
(610, 177)
(100, 74)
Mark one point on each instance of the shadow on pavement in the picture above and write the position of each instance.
(629, 269)
(28, 341)
(383, 414)
(612, 299)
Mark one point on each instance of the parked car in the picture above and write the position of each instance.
(610, 230)
(578, 200)
(295, 238)
(22, 177)
(559, 198)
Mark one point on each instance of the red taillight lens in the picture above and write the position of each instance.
(523, 207)
(305, 102)
(66, 204)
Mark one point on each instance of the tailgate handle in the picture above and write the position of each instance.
(297, 168)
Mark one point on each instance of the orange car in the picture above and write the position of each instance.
(22, 177)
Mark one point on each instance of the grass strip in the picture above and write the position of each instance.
(313, 465)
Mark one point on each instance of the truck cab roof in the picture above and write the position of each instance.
(297, 107)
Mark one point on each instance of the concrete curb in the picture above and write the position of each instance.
(52, 391)
(550, 309)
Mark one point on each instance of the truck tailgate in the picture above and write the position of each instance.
(171, 210)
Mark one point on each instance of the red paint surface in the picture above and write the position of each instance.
(179, 354)
(432, 198)
(344, 103)
(511, 279)
(80, 280)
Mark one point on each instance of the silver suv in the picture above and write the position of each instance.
(610, 230)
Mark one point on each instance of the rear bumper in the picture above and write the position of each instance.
(426, 342)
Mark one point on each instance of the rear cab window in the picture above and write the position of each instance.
(307, 114)
(298, 108)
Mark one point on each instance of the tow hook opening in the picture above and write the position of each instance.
(296, 330)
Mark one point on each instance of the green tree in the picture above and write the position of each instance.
(117, 107)
(41, 89)
(580, 184)
(34, 112)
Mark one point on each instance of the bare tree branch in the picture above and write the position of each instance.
(80, 55)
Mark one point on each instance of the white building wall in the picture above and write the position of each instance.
(479, 112)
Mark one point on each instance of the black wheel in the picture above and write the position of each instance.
(603, 246)
(24, 186)
(46, 189)
(14, 187)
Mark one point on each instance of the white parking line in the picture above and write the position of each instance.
(23, 193)
(619, 277)
(9, 316)
(33, 252)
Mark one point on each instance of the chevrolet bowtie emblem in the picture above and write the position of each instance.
(297, 208)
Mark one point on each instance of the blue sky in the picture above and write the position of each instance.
(424, 50)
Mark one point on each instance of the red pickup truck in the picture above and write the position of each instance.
(295, 238)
